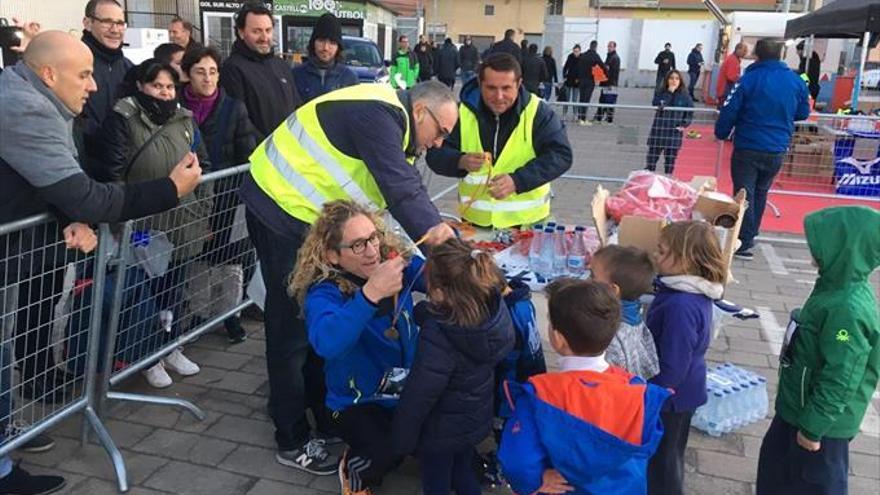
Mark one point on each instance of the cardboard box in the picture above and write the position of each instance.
(644, 233)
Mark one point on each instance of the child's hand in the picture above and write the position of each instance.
(554, 483)
(808, 444)
(386, 281)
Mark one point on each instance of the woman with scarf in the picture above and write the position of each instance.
(143, 138)
(229, 137)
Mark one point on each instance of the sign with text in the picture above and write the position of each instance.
(343, 9)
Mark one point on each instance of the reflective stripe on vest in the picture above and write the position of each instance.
(516, 209)
(300, 169)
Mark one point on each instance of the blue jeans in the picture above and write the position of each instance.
(692, 82)
(448, 471)
(753, 171)
(467, 75)
(786, 468)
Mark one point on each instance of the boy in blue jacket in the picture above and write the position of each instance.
(591, 427)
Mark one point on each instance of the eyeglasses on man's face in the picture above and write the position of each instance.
(108, 23)
(442, 133)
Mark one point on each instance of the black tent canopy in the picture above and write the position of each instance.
(838, 19)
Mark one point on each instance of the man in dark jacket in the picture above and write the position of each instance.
(39, 173)
(507, 45)
(665, 61)
(534, 70)
(325, 69)
(254, 75)
(425, 56)
(470, 59)
(587, 85)
(498, 103)
(376, 131)
(695, 66)
(761, 110)
(103, 32)
(609, 87)
(447, 62)
(812, 70)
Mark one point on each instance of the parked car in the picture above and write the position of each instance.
(362, 56)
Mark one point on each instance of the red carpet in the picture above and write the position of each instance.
(697, 157)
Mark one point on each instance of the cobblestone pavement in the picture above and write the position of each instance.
(230, 452)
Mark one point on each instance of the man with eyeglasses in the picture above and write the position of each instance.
(359, 143)
(507, 147)
(103, 32)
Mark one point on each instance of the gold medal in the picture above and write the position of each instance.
(392, 333)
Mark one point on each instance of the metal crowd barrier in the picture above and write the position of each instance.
(49, 341)
(74, 326)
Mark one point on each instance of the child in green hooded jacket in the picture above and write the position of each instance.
(829, 362)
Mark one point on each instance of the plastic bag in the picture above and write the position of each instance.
(649, 195)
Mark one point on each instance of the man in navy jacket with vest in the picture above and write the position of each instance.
(760, 111)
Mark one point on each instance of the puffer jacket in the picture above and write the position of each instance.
(123, 133)
(446, 404)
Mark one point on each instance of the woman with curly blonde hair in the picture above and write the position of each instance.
(354, 283)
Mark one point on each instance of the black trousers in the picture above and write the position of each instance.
(295, 380)
(786, 468)
(666, 468)
(586, 94)
(366, 428)
(670, 154)
(443, 472)
(37, 296)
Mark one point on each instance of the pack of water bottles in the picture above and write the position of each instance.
(554, 252)
(737, 397)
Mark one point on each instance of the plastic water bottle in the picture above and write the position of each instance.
(535, 247)
(560, 253)
(762, 397)
(713, 417)
(545, 261)
(576, 263)
(725, 412)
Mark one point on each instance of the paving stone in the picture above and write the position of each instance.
(243, 430)
(863, 486)
(751, 446)
(208, 377)
(865, 465)
(236, 381)
(227, 402)
(734, 467)
(218, 359)
(266, 487)
(64, 448)
(701, 484)
(161, 416)
(729, 443)
(188, 447)
(747, 358)
(192, 424)
(260, 462)
(95, 486)
(126, 434)
(92, 461)
(865, 445)
(256, 365)
(189, 479)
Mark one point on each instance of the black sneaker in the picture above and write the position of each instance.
(744, 254)
(235, 333)
(20, 482)
(39, 443)
(312, 457)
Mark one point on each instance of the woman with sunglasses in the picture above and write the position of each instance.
(355, 282)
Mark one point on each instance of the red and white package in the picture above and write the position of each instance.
(649, 195)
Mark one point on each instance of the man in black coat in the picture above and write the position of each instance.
(507, 45)
(534, 70)
(585, 64)
(665, 61)
(609, 91)
(695, 66)
(447, 63)
(103, 31)
(812, 71)
(254, 75)
(470, 59)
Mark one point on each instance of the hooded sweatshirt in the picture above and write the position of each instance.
(831, 365)
(446, 404)
(680, 319)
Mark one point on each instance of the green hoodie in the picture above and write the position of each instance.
(407, 65)
(834, 361)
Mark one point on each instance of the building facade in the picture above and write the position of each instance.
(484, 20)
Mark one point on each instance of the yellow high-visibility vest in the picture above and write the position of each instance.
(516, 209)
(300, 169)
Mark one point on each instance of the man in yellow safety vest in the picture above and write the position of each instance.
(507, 147)
(355, 143)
